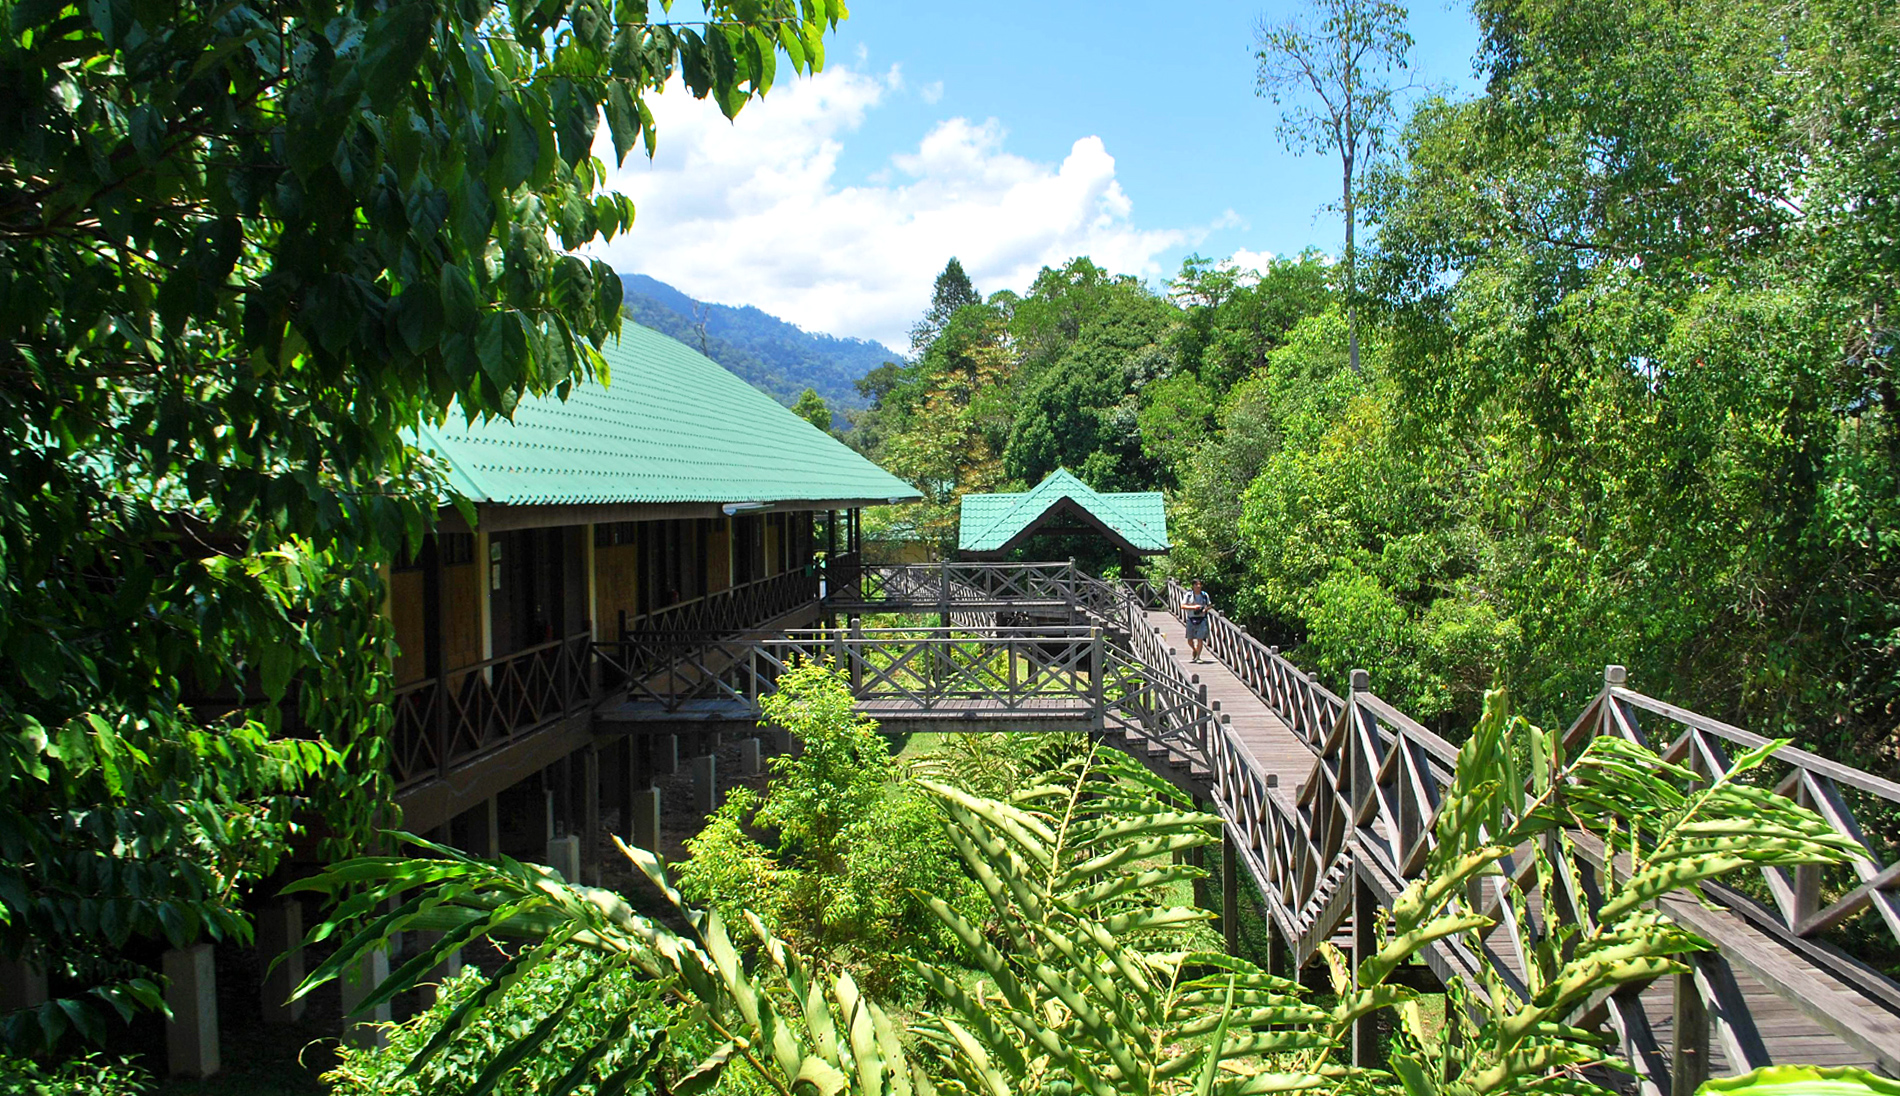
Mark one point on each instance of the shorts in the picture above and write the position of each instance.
(1196, 629)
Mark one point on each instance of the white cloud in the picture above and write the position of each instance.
(931, 92)
(1245, 260)
(753, 211)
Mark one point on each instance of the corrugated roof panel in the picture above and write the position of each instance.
(672, 425)
(987, 522)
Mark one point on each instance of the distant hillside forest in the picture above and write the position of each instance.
(772, 355)
(1625, 394)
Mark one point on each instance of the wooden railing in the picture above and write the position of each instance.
(1366, 811)
(1310, 709)
(929, 668)
(952, 584)
(441, 722)
(1800, 908)
(734, 608)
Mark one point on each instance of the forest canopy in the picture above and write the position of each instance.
(1628, 393)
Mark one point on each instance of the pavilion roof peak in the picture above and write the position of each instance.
(993, 523)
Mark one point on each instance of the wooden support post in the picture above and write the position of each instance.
(1689, 1059)
(491, 826)
(191, 992)
(590, 814)
(1279, 950)
(1229, 891)
(280, 950)
(853, 656)
(630, 782)
(1203, 895)
(1099, 715)
(1365, 941)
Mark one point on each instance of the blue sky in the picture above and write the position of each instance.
(1011, 135)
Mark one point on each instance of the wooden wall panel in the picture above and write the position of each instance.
(719, 559)
(462, 614)
(616, 585)
(407, 614)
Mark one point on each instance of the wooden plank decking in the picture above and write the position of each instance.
(1276, 750)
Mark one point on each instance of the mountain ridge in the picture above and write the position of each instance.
(774, 355)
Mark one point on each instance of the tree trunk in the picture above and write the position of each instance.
(1352, 271)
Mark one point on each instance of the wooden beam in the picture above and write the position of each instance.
(498, 517)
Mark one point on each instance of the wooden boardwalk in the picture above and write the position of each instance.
(1276, 751)
(1787, 1033)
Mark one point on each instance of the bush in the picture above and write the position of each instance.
(855, 851)
(381, 1071)
(88, 1075)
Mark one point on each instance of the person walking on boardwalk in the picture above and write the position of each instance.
(1194, 609)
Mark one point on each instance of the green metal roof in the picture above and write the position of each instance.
(672, 425)
(990, 522)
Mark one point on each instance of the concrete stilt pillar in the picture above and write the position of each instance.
(280, 947)
(491, 823)
(665, 752)
(705, 784)
(22, 985)
(590, 815)
(191, 992)
(632, 782)
(564, 856)
(551, 819)
(749, 757)
(449, 967)
(365, 1030)
(646, 819)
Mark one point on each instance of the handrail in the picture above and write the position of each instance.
(444, 721)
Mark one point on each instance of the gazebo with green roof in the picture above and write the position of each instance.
(1133, 522)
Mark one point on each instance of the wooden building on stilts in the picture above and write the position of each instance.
(672, 499)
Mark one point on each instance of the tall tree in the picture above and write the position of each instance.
(953, 290)
(243, 248)
(812, 408)
(1332, 73)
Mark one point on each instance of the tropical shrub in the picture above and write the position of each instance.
(996, 766)
(465, 1056)
(853, 846)
(79, 1075)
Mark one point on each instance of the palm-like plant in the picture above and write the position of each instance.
(1088, 979)
(1569, 856)
(798, 1029)
(1099, 988)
